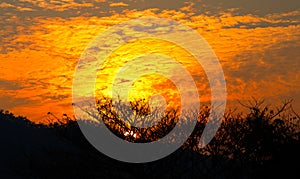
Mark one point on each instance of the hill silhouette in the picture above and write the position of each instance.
(262, 143)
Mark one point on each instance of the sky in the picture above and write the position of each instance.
(256, 42)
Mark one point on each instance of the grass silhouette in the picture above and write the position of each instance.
(261, 143)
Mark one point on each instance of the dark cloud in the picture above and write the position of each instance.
(262, 25)
(259, 7)
(9, 85)
(278, 60)
(8, 102)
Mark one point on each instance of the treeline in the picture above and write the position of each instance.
(262, 143)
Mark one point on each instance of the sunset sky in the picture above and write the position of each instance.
(257, 43)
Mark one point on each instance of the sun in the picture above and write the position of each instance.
(144, 87)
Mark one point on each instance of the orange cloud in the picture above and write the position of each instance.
(118, 4)
(189, 7)
(258, 60)
(6, 5)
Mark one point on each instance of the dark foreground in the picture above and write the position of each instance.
(253, 150)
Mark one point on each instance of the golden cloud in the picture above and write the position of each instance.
(5, 5)
(118, 4)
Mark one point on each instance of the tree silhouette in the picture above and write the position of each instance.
(257, 144)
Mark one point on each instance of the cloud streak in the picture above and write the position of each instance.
(118, 4)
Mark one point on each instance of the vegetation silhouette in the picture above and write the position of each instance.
(262, 143)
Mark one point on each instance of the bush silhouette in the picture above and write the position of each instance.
(246, 145)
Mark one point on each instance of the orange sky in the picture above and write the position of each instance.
(42, 42)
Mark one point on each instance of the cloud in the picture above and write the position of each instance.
(19, 8)
(9, 85)
(9, 102)
(189, 7)
(25, 9)
(57, 5)
(260, 8)
(39, 51)
(6, 5)
(118, 4)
